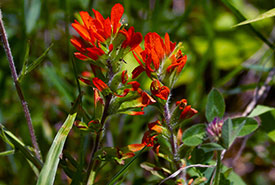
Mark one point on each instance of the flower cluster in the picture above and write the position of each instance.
(214, 129)
(104, 42)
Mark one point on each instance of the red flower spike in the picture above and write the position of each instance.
(159, 91)
(124, 77)
(156, 51)
(116, 14)
(99, 84)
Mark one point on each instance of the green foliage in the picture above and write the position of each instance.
(48, 172)
(215, 105)
(267, 14)
(249, 125)
(194, 135)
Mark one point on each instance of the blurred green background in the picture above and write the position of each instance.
(234, 60)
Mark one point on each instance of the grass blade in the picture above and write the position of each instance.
(267, 14)
(20, 146)
(123, 170)
(240, 17)
(48, 172)
(5, 153)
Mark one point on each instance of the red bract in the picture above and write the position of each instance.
(178, 62)
(124, 77)
(159, 91)
(187, 111)
(99, 84)
(95, 31)
(132, 39)
(98, 29)
(156, 52)
(146, 99)
(97, 98)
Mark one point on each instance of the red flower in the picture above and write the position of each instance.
(99, 84)
(156, 52)
(187, 111)
(178, 61)
(95, 31)
(146, 99)
(99, 29)
(124, 77)
(159, 91)
(132, 39)
(135, 85)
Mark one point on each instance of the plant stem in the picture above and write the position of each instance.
(6, 46)
(174, 146)
(218, 169)
(108, 98)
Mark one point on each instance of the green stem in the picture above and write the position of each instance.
(218, 169)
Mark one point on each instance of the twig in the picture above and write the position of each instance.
(259, 93)
(184, 168)
(6, 46)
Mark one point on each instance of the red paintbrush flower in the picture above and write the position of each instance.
(159, 91)
(99, 84)
(186, 111)
(156, 52)
(132, 39)
(95, 31)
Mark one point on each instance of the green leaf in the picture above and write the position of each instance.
(268, 120)
(32, 14)
(16, 143)
(227, 133)
(25, 61)
(267, 14)
(215, 105)
(5, 153)
(193, 136)
(29, 68)
(48, 172)
(249, 126)
(260, 109)
(155, 170)
(209, 147)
